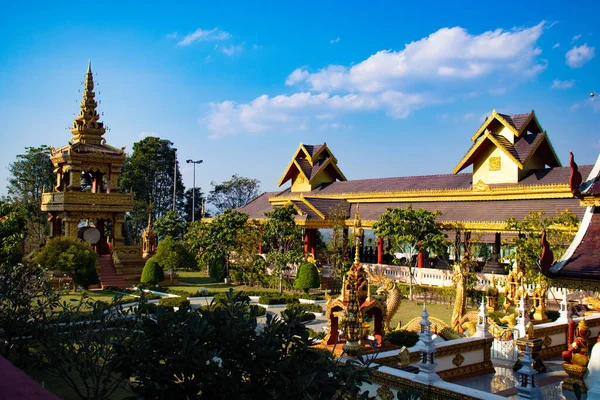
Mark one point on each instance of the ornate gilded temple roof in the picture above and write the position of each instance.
(515, 171)
(580, 265)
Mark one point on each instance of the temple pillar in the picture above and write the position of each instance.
(310, 241)
(118, 229)
(420, 258)
(71, 225)
(74, 180)
(113, 181)
(379, 250)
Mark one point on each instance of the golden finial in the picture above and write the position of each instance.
(357, 222)
(86, 127)
(357, 252)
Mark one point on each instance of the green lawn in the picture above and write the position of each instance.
(194, 277)
(413, 309)
(95, 295)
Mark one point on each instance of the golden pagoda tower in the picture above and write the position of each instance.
(86, 202)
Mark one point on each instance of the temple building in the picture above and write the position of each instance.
(86, 202)
(515, 170)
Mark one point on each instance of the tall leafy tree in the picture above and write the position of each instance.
(149, 173)
(560, 230)
(30, 175)
(285, 239)
(410, 231)
(171, 224)
(234, 193)
(220, 239)
(196, 204)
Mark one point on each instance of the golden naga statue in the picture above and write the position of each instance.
(460, 278)
(578, 351)
(389, 290)
(539, 302)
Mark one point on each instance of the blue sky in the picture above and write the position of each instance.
(394, 88)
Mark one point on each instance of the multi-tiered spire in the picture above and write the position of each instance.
(86, 127)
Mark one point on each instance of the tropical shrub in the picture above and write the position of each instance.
(71, 256)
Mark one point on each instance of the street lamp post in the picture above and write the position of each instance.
(194, 190)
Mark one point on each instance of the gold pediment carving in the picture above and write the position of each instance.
(494, 163)
(481, 186)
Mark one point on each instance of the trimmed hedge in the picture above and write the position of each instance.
(173, 302)
(307, 277)
(312, 308)
(178, 292)
(276, 298)
(403, 338)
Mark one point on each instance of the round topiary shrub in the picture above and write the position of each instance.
(307, 277)
(153, 272)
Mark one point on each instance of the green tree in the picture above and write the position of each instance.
(410, 231)
(12, 232)
(197, 204)
(152, 272)
(285, 238)
(171, 224)
(219, 240)
(560, 230)
(173, 255)
(307, 277)
(30, 175)
(71, 256)
(234, 193)
(148, 172)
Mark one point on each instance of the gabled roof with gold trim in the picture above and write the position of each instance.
(309, 161)
(518, 123)
(525, 146)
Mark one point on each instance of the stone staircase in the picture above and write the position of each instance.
(108, 274)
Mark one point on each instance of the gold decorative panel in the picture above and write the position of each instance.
(458, 360)
(494, 163)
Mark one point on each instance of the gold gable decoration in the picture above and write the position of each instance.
(311, 166)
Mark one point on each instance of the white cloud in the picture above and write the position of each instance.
(203, 35)
(233, 49)
(443, 67)
(147, 134)
(577, 57)
(575, 38)
(336, 40)
(558, 84)
(556, 45)
(298, 75)
(449, 53)
(173, 35)
(285, 113)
